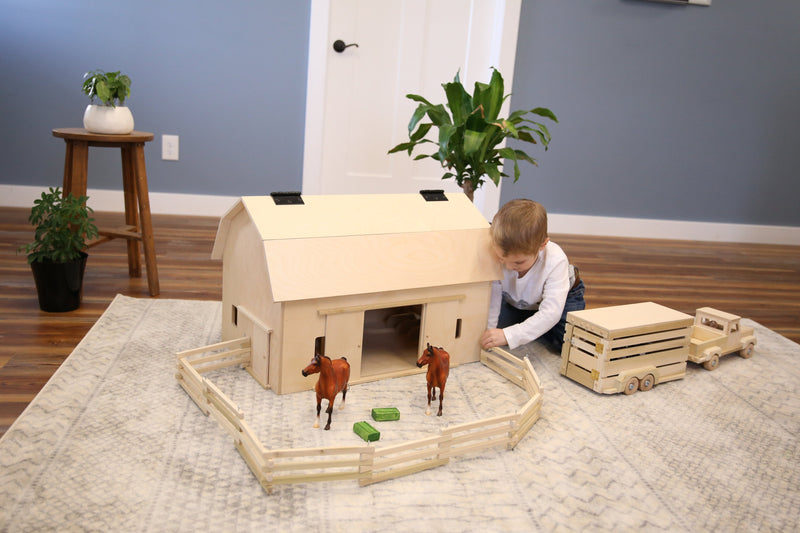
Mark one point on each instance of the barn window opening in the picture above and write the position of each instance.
(319, 346)
(391, 339)
(235, 315)
(458, 328)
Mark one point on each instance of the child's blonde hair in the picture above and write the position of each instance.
(520, 227)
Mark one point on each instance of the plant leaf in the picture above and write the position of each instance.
(473, 141)
(421, 131)
(446, 132)
(403, 146)
(439, 115)
(525, 136)
(419, 112)
(418, 98)
(490, 96)
(544, 112)
(525, 157)
(459, 101)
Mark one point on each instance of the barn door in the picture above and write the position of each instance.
(260, 336)
(442, 326)
(356, 108)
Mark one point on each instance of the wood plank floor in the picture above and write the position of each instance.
(761, 282)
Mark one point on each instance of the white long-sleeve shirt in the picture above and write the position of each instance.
(543, 288)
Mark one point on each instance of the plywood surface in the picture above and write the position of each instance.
(338, 266)
(631, 319)
(361, 214)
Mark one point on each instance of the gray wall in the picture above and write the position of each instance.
(666, 112)
(227, 77)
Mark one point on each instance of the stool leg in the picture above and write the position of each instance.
(76, 167)
(67, 168)
(131, 209)
(148, 242)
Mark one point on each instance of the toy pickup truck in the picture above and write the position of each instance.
(716, 333)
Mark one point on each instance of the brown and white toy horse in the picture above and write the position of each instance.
(334, 375)
(438, 362)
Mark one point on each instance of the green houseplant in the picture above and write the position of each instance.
(62, 226)
(111, 89)
(471, 136)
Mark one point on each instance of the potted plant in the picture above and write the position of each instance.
(111, 116)
(56, 255)
(471, 136)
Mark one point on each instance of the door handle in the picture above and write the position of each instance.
(339, 45)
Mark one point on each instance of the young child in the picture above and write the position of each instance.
(539, 285)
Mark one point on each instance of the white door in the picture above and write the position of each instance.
(356, 109)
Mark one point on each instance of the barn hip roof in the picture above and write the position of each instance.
(336, 245)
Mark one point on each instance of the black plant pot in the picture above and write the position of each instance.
(59, 285)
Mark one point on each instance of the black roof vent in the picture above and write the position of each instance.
(433, 195)
(287, 198)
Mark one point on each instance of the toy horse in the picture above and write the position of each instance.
(334, 376)
(438, 362)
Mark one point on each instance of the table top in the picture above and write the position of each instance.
(80, 134)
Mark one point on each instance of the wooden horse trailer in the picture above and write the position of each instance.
(626, 348)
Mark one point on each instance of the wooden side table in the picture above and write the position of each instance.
(134, 185)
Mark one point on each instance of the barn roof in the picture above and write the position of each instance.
(336, 245)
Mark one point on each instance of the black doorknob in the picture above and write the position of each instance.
(339, 45)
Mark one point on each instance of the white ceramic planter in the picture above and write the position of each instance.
(107, 119)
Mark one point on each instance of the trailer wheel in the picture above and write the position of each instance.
(647, 383)
(712, 363)
(747, 351)
(631, 386)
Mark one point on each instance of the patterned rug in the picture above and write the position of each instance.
(112, 443)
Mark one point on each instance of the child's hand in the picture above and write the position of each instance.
(493, 337)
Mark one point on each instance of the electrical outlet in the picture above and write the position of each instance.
(169, 147)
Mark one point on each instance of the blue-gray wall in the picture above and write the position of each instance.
(227, 77)
(667, 112)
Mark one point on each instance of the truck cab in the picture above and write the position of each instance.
(716, 333)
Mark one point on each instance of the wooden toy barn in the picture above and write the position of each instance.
(373, 278)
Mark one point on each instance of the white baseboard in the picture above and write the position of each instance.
(216, 206)
(672, 229)
(106, 200)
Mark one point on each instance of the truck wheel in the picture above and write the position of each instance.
(712, 363)
(631, 386)
(647, 382)
(747, 351)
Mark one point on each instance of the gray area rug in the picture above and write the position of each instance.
(112, 443)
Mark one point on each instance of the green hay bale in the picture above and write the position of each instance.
(382, 414)
(366, 432)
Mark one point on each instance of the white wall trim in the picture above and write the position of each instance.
(106, 200)
(216, 206)
(672, 229)
(315, 95)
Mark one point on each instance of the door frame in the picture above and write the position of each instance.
(503, 52)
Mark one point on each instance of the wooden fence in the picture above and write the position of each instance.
(367, 463)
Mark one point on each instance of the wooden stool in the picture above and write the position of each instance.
(134, 184)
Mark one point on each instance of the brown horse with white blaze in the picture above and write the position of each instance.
(438, 362)
(334, 375)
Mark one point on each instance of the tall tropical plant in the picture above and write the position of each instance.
(471, 136)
